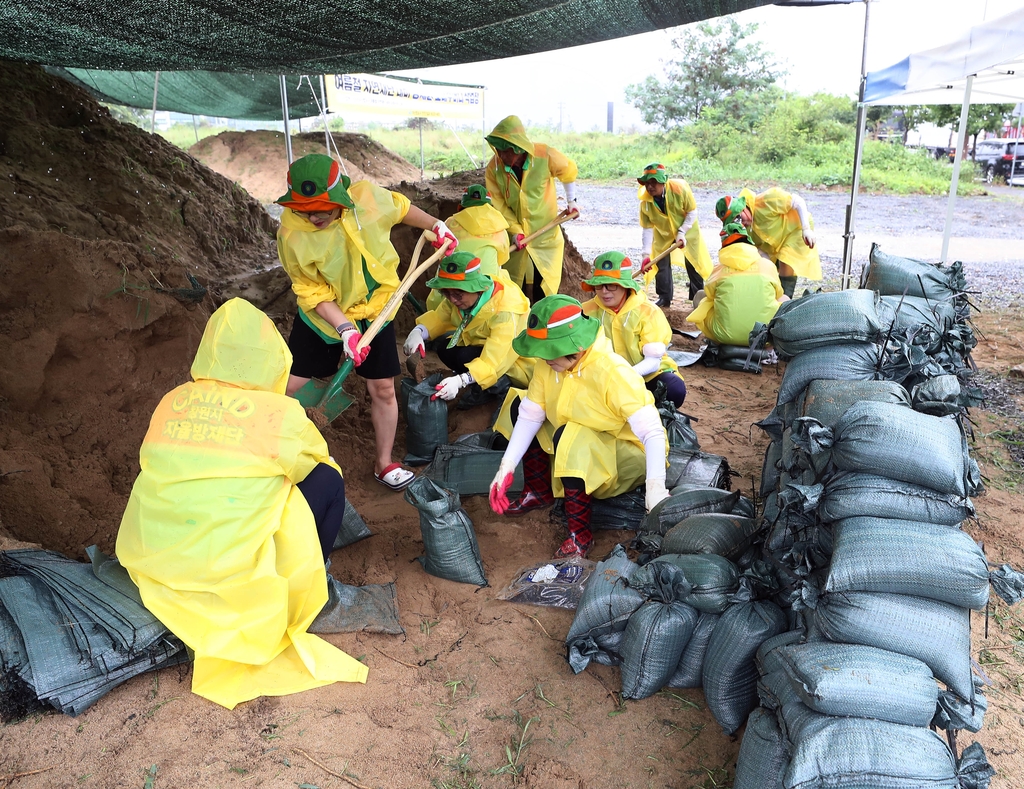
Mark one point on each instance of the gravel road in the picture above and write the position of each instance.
(987, 235)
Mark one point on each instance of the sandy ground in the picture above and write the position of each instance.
(477, 693)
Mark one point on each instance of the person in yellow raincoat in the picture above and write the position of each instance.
(481, 230)
(744, 288)
(521, 180)
(586, 427)
(484, 314)
(668, 216)
(334, 243)
(781, 226)
(639, 331)
(221, 530)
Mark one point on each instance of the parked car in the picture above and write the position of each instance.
(995, 158)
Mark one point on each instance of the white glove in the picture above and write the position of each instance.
(681, 238)
(415, 342)
(656, 493)
(808, 237)
(572, 207)
(444, 234)
(450, 387)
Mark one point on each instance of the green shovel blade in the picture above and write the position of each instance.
(329, 397)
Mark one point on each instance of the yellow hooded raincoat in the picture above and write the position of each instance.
(326, 265)
(743, 289)
(776, 231)
(216, 535)
(531, 205)
(482, 231)
(594, 403)
(678, 203)
(493, 327)
(637, 323)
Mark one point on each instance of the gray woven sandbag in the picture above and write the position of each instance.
(767, 658)
(852, 494)
(954, 713)
(709, 580)
(625, 511)
(349, 609)
(854, 681)
(426, 420)
(685, 502)
(924, 322)
(822, 319)
(582, 651)
(353, 528)
(745, 508)
(938, 634)
(468, 466)
(849, 362)
(762, 761)
(689, 672)
(678, 429)
(451, 549)
(730, 676)
(891, 275)
(938, 396)
(607, 601)
(696, 468)
(717, 533)
(652, 644)
(907, 557)
(893, 442)
(851, 753)
(770, 468)
(826, 401)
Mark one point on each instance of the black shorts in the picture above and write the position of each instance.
(312, 357)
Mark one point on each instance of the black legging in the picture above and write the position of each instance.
(456, 359)
(324, 491)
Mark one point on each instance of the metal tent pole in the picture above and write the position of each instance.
(961, 138)
(1016, 144)
(152, 117)
(858, 151)
(195, 127)
(323, 103)
(284, 115)
(422, 120)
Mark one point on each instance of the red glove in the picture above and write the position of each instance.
(645, 265)
(518, 242)
(350, 339)
(444, 234)
(498, 495)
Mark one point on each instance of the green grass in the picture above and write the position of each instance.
(183, 135)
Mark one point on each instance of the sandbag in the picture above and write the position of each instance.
(939, 396)
(625, 511)
(652, 645)
(891, 275)
(689, 672)
(767, 658)
(826, 401)
(770, 468)
(762, 760)
(850, 495)
(924, 322)
(426, 420)
(821, 319)
(349, 609)
(607, 601)
(709, 580)
(730, 676)
(581, 652)
(353, 528)
(717, 533)
(683, 503)
(468, 466)
(451, 549)
(909, 558)
(849, 362)
(854, 681)
(696, 468)
(938, 634)
(737, 358)
(852, 753)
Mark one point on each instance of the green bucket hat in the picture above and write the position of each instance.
(460, 271)
(729, 208)
(476, 195)
(611, 268)
(316, 183)
(556, 327)
(654, 172)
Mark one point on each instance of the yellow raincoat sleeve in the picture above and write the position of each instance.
(561, 166)
(515, 227)
(497, 355)
(308, 282)
(439, 320)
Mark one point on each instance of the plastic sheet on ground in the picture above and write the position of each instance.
(557, 584)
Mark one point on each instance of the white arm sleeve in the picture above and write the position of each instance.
(423, 331)
(688, 222)
(570, 191)
(801, 211)
(531, 419)
(648, 241)
(653, 352)
(646, 424)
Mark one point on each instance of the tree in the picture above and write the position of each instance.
(980, 117)
(715, 60)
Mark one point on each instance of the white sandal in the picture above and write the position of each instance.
(395, 477)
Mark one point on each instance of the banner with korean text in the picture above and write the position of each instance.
(387, 95)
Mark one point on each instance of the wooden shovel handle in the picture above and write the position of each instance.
(558, 220)
(661, 255)
(407, 282)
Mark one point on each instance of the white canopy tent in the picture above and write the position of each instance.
(983, 66)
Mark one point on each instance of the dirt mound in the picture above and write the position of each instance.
(256, 161)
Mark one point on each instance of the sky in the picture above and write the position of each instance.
(820, 48)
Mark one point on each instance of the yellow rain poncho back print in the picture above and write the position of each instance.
(532, 204)
(217, 536)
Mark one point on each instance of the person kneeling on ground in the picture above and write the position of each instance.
(639, 331)
(744, 287)
(586, 427)
(484, 314)
(234, 513)
(780, 225)
(335, 245)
